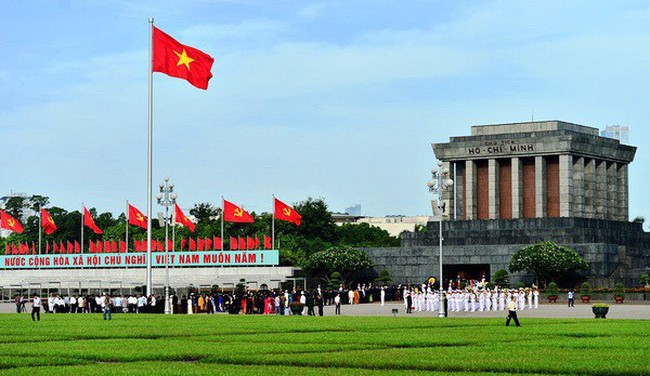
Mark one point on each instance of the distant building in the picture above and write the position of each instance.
(617, 132)
(393, 224)
(354, 209)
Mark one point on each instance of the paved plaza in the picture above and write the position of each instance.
(632, 310)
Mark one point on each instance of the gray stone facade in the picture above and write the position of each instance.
(615, 251)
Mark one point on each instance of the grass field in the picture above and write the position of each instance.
(269, 345)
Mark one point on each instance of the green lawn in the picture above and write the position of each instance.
(269, 345)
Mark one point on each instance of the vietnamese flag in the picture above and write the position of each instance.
(10, 223)
(183, 244)
(233, 213)
(56, 248)
(250, 243)
(7, 249)
(90, 222)
(257, 242)
(70, 247)
(136, 218)
(14, 250)
(242, 244)
(182, 218)
(47, 222)
(77, 247)
(267, 242)
(192, 245)
(233, 244)
(216, 242)
(200, 246)
(91, 247)
(286, 213)
(99, 247)
(180, 61)
(208, 244)
(122, 246)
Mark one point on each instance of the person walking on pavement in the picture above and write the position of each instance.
(570, 296)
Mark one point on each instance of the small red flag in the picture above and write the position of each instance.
(216, 243)
(47, 222)
(137, 246)
(91, 247)
(242, 244)
(257, 242)
(250, 243)
(90, 222)
(136, 218)
(56, 247)
(122, 246)
(233, 244)
(10, 223)
(14, 250)
(267, 242)
(70, 248)
(180, 61)
(77, 247)
(286, 213)
(183, 244)
(99, 247)
(7, 249)
(192, 245)
(170, 245)
(208, 244)
(233, 213)
(200, 246)
(61, 247)
(182, 218)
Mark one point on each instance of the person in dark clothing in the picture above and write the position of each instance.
(320, 302)
(512, 313)
(310, 305)
(409, 303)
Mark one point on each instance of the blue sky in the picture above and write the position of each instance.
(337, 99)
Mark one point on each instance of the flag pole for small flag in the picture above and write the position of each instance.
(149, 156)
(83, 211)
(273, 225)
(40, 225)
(222, 211)
(127, 225)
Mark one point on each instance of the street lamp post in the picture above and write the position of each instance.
(439, 183)
(167, 197)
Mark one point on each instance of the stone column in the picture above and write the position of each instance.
(517, 192)
(566, 185)
(540, 187)
(601, 189)
(589, 207)
(471, 190)
(623, 193)
(578, 186)
(493, 189)
(613, 211)
(459, 185)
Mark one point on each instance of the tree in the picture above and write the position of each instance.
(364, 235)
(204, 212)
(501, 278)
(15, 206)
(547, 260)
(349, 262)
(384, 276)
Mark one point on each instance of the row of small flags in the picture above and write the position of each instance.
(106, 246)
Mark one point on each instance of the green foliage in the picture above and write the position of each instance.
(645, 279)
(586, 290)
(520, 285)
(384, 277)
(552, 290)
(547, 260)
(204, 212)
(240, 288)
(364, 235)
(600, 305)
(335, 281)
(619, 290)
(349, 262)
(501, 278)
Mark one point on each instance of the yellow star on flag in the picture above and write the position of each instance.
(183, 59)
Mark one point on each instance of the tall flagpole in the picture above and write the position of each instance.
(273, 225)
(40, 225)
(149, 157)
(222, 211)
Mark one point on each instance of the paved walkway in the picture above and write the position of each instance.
(633, 310)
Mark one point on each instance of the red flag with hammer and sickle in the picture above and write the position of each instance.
(233, 213)
(10, 223)
(285, 212)
(183, 219)
(136, 218)
(47, 222)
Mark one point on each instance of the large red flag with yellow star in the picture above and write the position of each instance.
(10, 223)
(234, 213)
(182, 218)
(180, 61)
(136, 218)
